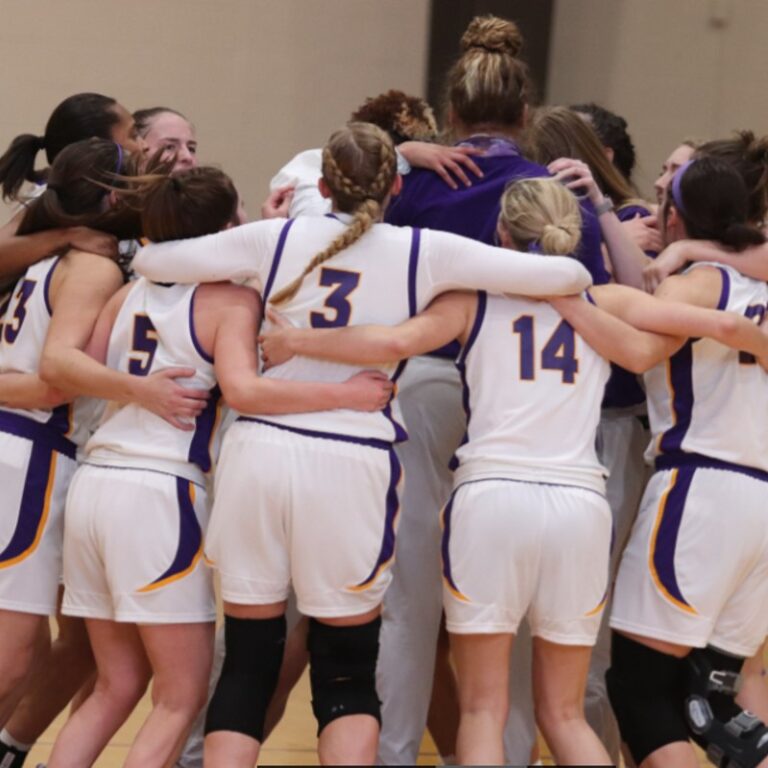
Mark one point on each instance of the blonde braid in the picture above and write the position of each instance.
(365, 148)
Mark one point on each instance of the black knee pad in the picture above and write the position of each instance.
(342, 664)
(731, 736)
(254, 653)
(647, 691)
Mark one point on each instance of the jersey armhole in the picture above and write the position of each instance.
(192, 333)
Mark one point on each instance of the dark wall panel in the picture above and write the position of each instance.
(449, 18)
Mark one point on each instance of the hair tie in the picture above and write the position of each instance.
(677, 197)
(39, 143)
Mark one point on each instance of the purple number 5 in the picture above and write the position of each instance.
(144, 346)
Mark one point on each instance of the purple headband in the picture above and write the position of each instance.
(677, 197)
(119, 157)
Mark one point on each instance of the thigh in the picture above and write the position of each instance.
(120, 657)
(482, 664)
(180, 654)
(572, 579)
(491, 549)
(34, 481)
(559, 674)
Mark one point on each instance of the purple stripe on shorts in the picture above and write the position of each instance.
(665, 542)
(393, 507)
(33, 509)
(445, 546)
(205, 423)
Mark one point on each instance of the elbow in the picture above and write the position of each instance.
(728, 328)
(50, 370)
(394, 350)
(236, 396)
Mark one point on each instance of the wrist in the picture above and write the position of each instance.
(603, 206)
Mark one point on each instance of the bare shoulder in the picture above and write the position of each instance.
(90, 264)
(701, 286)
(225, 296)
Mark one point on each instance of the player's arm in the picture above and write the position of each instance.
(444, 320)
(17, 252)
(28, 391)
(752, 261)
(240, 253)
(81, 289)
(450, 262)
(235, 356)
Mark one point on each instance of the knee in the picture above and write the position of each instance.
(343, 670)
(122, 689)
(553, 715)
(181, 697)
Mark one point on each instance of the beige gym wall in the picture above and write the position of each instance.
(261, 79)
(672, 68)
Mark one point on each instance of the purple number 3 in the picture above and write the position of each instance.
(337, 300)
(13, 326)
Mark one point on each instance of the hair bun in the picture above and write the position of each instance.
(494, 35)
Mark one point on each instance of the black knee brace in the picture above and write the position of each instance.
(254, 653)
(342, 664)
(647, 691)
(731, 736)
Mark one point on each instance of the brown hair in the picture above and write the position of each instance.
(403, 117)
(559, 132)
(359, 167)
(541, 212)
(78, 182)
(488, 85)
(144, 117)
(749, 156)
(78, 117)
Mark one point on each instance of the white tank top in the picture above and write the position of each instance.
(532, 393)
(154, 330)
(26, 316)
(709, 400)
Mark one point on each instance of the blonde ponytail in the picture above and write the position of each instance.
(359, 167)
(543, 212)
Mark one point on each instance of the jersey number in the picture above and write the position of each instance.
(338, 299)
(754, 312)
(558, 354)
(12, 326)
(144, 346)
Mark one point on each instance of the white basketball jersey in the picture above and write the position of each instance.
(26, 315)
(709, 399)
(532, 393)
(154, 330)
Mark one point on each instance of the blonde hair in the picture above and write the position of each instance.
(359, 167)
(489, 85)
(543, 212)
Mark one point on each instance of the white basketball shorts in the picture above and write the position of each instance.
(695, 570)
(318, 513)
(133, 548)
(34, 478)
(514, 548)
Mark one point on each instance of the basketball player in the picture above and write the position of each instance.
(270, 530)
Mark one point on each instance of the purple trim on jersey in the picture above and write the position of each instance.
(193, 333)
(387, 551)
(47, 286)
(413, 268)
(205, 424)
(665, 542)
(190, 537)
(401, 435)
(482, 303)
(590, 299)
(370, 442)
(698, 461)
(445, 545)
(681, 378)
(43, 434)
(61, 419)
(33, 508)
(725, 291)
(276, 259)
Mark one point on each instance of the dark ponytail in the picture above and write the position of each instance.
(79, 117)
(713, 201)
(78, 182)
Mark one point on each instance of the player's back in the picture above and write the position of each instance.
(708, 399)
(154, 330)
(373, 281)
(532, 392)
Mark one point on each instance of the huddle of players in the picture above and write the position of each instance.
(307, 487)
